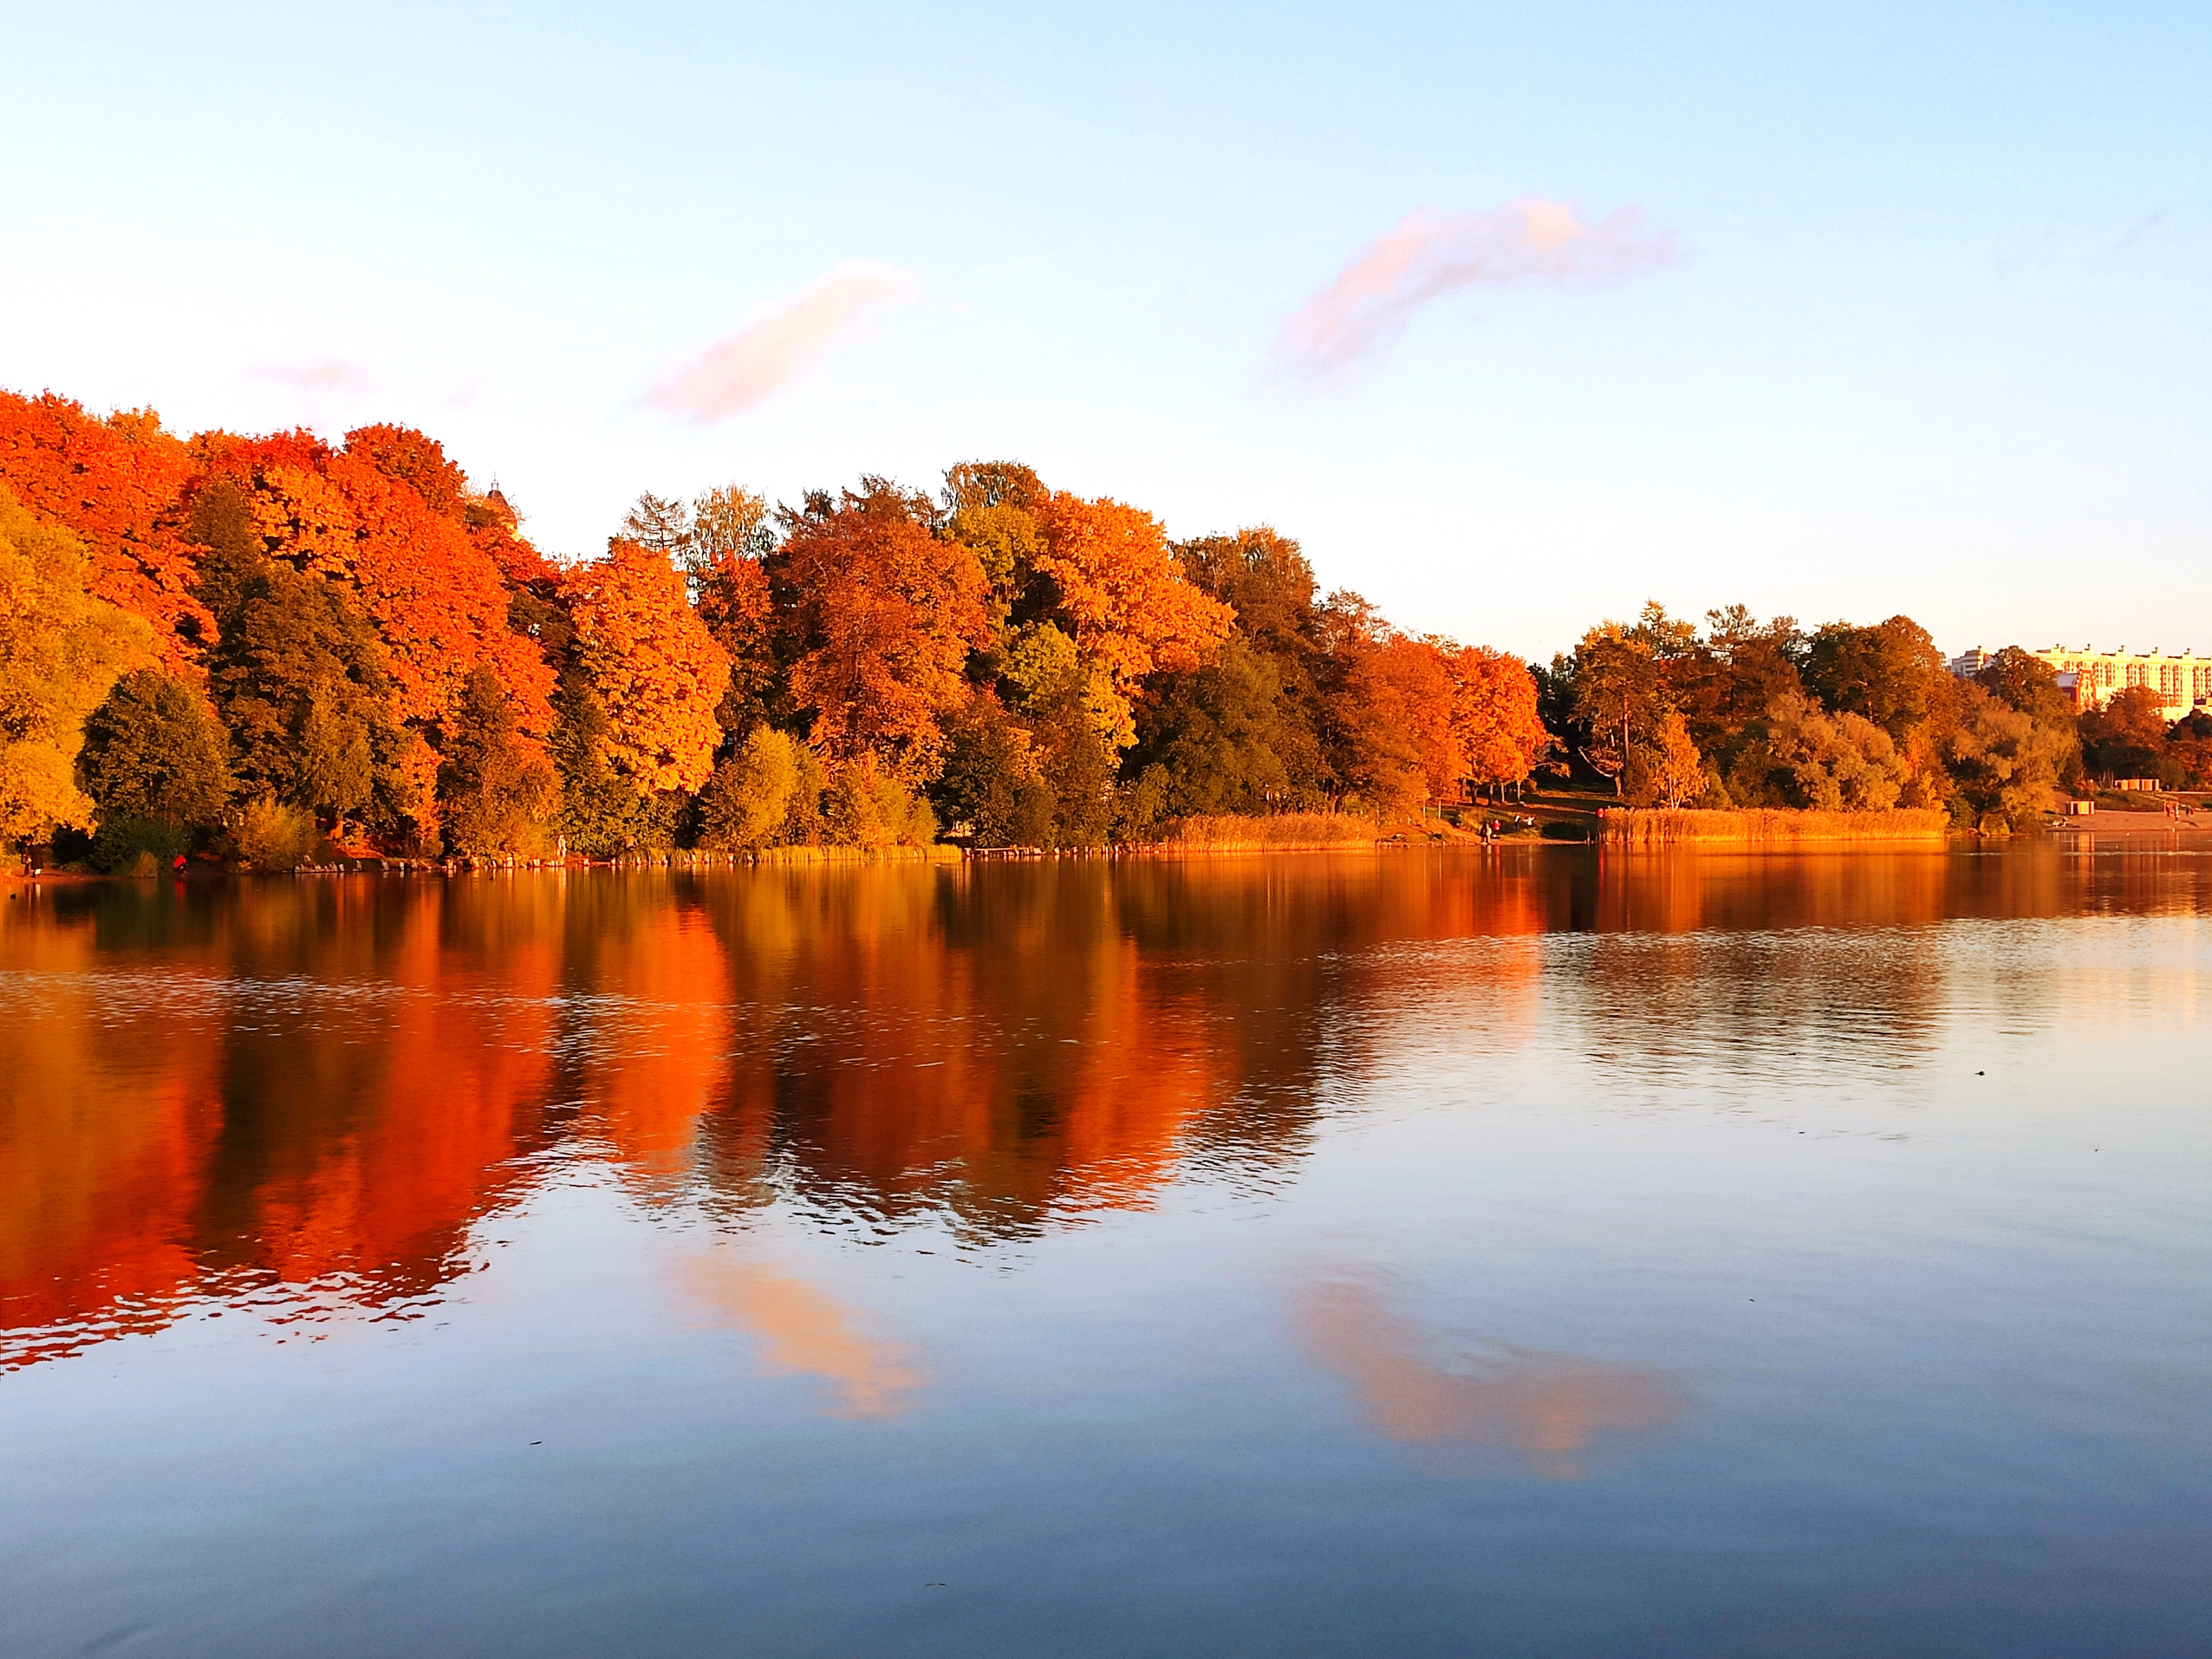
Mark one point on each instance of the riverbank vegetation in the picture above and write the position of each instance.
(263, 647)
(1740, 714)
(266, 648)
(1662, 826)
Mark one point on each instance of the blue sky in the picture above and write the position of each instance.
(1935, 336)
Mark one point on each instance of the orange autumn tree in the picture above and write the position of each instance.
(1387, 707)
(439, 597)
(439, 600)
(651, 664)
(724, 560)
(387, 518)
(1493, 713)
(887, 611)
(117, 484)
(1123, 598)
(1413, 688)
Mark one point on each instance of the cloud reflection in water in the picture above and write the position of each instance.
(802, 1331)
(1553, 1409)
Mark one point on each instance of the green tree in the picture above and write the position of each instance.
(1678, 770)
(2127, 737)
(1242, 734)
(154, 751)
(747, 802)
(866, 805)
(603, 812)
(991, 780)
(1737, 669)
(1890, 673)
(1618, 693)
(805, 824)
(493, 789)
(1832, 762)
(1219, 734)
(1077, 762)
(2189, 750)
(991, 508)
(2005, 762)
(299, 678)
(2024, 681)
(660, 524)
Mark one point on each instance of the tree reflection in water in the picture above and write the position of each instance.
(309, 1095)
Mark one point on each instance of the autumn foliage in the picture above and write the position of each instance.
(651, 665)
(887, 613)
(288, 642)
(116, 485)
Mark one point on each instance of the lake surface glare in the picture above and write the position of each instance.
(1522, 1252)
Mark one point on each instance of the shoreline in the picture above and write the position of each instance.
(2073, 838)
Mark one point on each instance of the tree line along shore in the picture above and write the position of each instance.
(266, 651)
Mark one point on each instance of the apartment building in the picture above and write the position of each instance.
(2090, 676)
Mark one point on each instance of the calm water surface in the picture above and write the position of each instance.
(1509, 1254)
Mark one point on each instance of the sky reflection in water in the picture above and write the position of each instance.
(1526, 1251)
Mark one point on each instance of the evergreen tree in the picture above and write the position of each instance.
(298, 677)
(493, 790)
(991, 780)
(603, 812)
(1220, 735)
(154, 755)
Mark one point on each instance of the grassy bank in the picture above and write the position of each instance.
(1668, 827)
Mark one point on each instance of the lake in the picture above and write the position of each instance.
(1535, 1251)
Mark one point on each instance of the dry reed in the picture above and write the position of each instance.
(1277, 832)
(1661, 826)
(936, 854)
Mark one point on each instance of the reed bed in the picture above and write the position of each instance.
(1661, 826)
(935, 854)
(1281, 832)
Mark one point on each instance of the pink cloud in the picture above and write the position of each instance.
(1525, 244)
(780, 341)
(323, 374)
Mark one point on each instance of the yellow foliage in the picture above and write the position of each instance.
(61, 650)
(653, 664)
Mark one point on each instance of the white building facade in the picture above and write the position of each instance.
(2183, 683)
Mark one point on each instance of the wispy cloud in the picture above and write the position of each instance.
(2142, 228)
(780, 341)
(322, 374)
(1426, 255)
